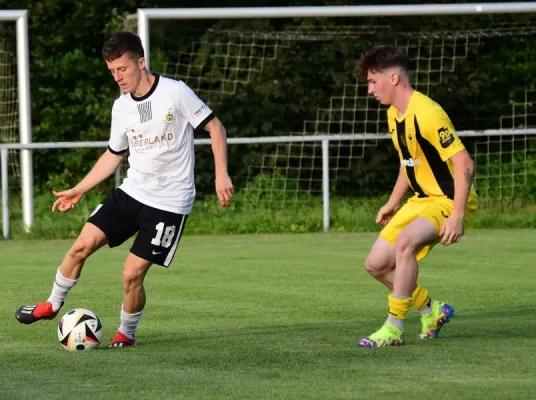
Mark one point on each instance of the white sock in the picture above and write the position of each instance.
(397, 323)
(61, 287)
(129, 323)
(427, 308)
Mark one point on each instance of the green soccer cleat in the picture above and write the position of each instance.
(433, 322)
(388, 335)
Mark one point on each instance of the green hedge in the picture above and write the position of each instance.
(207, 218)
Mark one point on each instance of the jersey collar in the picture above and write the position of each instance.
(408, 108)
(150, 92)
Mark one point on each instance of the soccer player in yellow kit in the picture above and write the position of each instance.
(435, 165)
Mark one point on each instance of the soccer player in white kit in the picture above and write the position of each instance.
(154, 120)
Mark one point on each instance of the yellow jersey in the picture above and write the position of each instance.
(426, 140)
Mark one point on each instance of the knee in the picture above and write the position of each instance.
(133, 276)
(406, 246)
(376, 267)
(82, 248)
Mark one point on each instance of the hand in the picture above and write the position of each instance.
(66, 200)
(224, 189)
(386, 213)
(452, 229)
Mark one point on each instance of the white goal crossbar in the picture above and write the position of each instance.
(146, 14)
(25, 121)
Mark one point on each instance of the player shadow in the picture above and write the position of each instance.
(519, 325)
(320, 327)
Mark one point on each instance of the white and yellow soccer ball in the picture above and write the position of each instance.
(80, 329)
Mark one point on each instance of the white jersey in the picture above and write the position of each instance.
(158, 131)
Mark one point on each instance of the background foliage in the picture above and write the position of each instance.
(72, 92)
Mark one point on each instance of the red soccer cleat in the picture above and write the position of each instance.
(35, 312)
(120, 340)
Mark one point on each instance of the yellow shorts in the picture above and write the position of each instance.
(434, 209)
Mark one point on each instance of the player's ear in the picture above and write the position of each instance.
(395, 78)
(141, 63)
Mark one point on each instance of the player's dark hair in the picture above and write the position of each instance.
(121, 43)
(381, 58)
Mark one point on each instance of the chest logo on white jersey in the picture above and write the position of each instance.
(169, 116)
(141, 144)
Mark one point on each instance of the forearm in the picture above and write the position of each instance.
(104, 167)
(463, 178)
(400, 189)
(218, 138)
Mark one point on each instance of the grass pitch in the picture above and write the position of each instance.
(277, 316)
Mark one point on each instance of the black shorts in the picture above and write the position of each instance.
(159, 232)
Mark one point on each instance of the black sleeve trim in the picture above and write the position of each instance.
(202, 124)
(117, 153)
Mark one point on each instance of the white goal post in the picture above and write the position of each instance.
(20, 17)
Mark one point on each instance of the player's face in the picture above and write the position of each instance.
(127, 72)
(380, 85)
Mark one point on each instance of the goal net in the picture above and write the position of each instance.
(297, 78)
(9, 109)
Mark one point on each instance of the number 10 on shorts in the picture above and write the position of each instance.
(164, 235)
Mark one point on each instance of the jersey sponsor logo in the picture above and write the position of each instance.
(169, 116)
(410, 162)
(139, 143)
(446, 138)
(200, 110)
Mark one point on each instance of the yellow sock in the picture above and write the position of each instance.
(420, 298)
(398, 308)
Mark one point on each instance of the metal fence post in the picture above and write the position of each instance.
(4, 155)
(325, 184)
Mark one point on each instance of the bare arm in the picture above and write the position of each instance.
(464, 168)
(451, 230)
(391, 207)
(218, 136)
(400, 189)
(103, 168)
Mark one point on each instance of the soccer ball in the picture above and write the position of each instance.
(80, 329)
